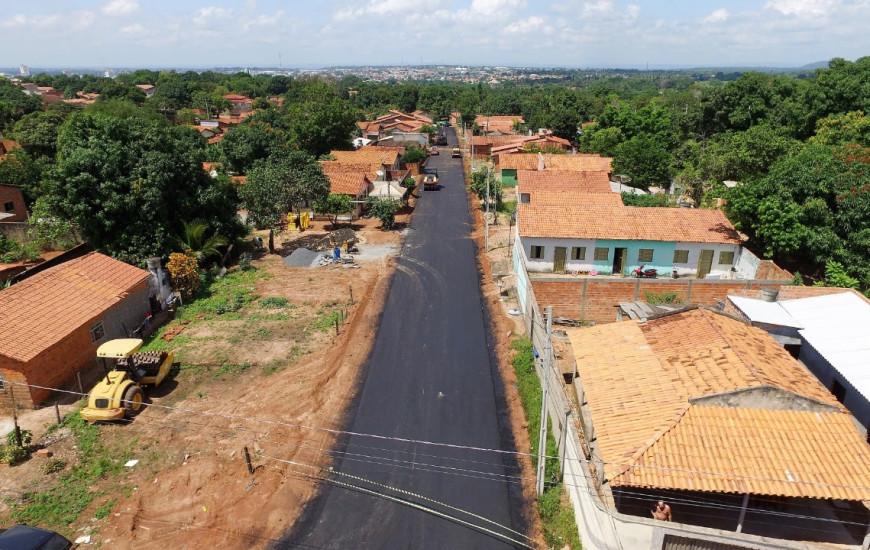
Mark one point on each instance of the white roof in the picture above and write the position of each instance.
(759, 311)
(387, 189)
(837, 326)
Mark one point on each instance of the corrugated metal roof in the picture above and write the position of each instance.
(837, 326)
(759, 311)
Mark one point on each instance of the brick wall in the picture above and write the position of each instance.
(57, 366)
(15, 231)
(12, 194)
(595, 299)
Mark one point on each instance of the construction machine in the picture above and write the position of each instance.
(121, 391)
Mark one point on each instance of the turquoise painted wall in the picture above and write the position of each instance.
(663, 255)
(509, 178)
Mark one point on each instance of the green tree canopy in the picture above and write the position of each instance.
(280, 184)
(128, 183)
(247, 143)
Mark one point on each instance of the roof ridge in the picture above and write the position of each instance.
(748, 364)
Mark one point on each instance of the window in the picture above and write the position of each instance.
(97, 332)
(525, 198)
(602, 254)
(681, 256)
(9, 206)
(537, 252)
(645, 255)
(578, 253)
(726, 258)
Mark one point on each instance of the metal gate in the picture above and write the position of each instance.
(559, 257)
(705, 263)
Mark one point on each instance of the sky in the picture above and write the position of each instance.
(547, 33)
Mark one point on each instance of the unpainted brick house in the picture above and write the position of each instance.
(52, 322)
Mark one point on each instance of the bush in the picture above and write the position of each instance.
(13, 454)
(662, 298)
(273, 302)
(184, 272)
(414, 155)
(385, 210)
(245, 261)
(53, 465)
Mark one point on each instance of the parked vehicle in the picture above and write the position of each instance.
(25, 537)
(441, 139)
(457, 152)
(121, 391)
(434, 151)
(651, 273)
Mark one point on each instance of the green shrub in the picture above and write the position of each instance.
(53, 465)
(273, 302)
(245, 261)
(662, 298)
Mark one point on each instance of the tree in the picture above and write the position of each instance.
(321, 125)
(116, 91)
(334, 205)
(385, 210)
(835, 276)
(127, 183)
(280, 184)
(429, 130)
(245, 144)
(193, 238)
(843, 129)
(21, 169)
(413, 155)
(37, 132)
(645, 160)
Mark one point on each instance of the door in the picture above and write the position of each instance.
(705, 263)
(620, 256)
(559, 256)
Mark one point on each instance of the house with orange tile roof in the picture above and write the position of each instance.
(498, 125)
(507, 164)
(351, 182)
(565, 227)
(147, 89)
(239, 104)
(394, 122)
(54, 320)
(711, 415)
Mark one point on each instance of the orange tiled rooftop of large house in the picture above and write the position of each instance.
(699, 401)
(370, 154)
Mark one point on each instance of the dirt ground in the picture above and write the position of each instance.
(191, 488)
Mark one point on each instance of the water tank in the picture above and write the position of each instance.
(769, 293)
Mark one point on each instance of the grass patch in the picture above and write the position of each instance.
(557, 517)
(57, 507)
(104, 510)
(662, 298)
(326, 317)
(277, 365)
(273, 302)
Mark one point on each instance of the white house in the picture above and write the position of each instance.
(575, 224)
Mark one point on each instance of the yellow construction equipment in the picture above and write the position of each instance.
(121, 391)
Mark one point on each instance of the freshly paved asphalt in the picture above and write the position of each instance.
(430, 377)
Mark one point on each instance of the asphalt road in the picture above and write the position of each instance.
(430, 377)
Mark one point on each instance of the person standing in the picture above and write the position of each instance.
(662, 511)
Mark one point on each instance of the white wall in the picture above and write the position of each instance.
(688, 269)
(546, 264)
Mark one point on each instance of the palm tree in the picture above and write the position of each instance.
(192, 239)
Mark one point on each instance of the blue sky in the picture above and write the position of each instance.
(585, 33)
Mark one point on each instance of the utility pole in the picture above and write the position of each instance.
(542, 436)
(486, 215)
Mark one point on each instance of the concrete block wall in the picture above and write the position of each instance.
(13, 194)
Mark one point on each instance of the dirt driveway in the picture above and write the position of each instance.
(270, 375)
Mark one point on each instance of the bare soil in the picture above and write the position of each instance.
(271, 384)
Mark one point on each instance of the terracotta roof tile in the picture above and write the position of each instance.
(369, 154)
(40, 311)
(548, 185)
(646, 385)
(347, 183)
(530, 161)
(579, 214)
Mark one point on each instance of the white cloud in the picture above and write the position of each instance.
(206, 15)
(133, 30)
(120, 7)
(717, 16)
(801, 8)
(386, 8)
